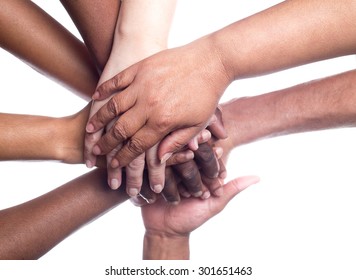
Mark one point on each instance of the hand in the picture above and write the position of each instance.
(168, 226)
(174, 90)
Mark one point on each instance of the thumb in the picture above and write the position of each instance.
(235, 186)
(119, 82)
(175, 141)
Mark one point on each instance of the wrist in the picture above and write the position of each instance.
(162, 246)
(250, 119)
(71, 131)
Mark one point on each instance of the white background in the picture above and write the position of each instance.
(297, 222)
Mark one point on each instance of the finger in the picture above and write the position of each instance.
(114, 174)
(180, 157)
(140, 142)
(114, 177)
(202, 137)
(156, 170)
(123, 128)
(232, 188)
(134, 175)
(175, 141)
(222, 171)
(216, 125)
(182, 190)
(116, 83)
(138, 201)
(207, 161)
(89, 142)
(170, 191)
(117, 105)
(190, 177)
(215, 185)
(146, 193)
(205, 192)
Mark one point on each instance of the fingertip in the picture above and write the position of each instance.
(114, 184)
(96, 95)
(90, 128)
(89, 164)
(96, 150)
(115, 163)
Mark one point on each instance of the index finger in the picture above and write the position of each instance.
(117, 105)
(116, 83)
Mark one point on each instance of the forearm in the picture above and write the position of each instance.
(139, 33)
(162, 247)
(29, 230)
(316, 105)
(26, 137)
(286, 35)
(36, 38)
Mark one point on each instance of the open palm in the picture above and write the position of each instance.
(190, 213)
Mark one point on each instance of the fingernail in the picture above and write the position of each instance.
(157, 188)
(132, 192)
(205, 195)
(219, 152)
(189, 155)
(96, 95)
(151, 201)
(185, 194)
(195, 144)
(219, 192)
(114, 184)
(89, 164)
(166, 157)
(206, 135)
(175, 202)
(89, 128)
(198, 194)
(96, 150)
(115, 163)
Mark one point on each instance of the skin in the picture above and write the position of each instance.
(80, 76)
(139, 33)
(76, 203)
(204, 68)
(24, 230)
(316, 105)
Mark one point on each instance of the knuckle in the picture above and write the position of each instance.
(165, 122)
(119, 132)
(152, 163)
(115, 82)
(135, 146)
(113, 107)
(137, 164)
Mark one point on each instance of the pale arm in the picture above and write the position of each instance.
(139, 33)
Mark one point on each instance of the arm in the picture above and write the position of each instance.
(316, 105)
(24, 229)
(286, 35)
(139, 33)
(46, 40)
(29, 137)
